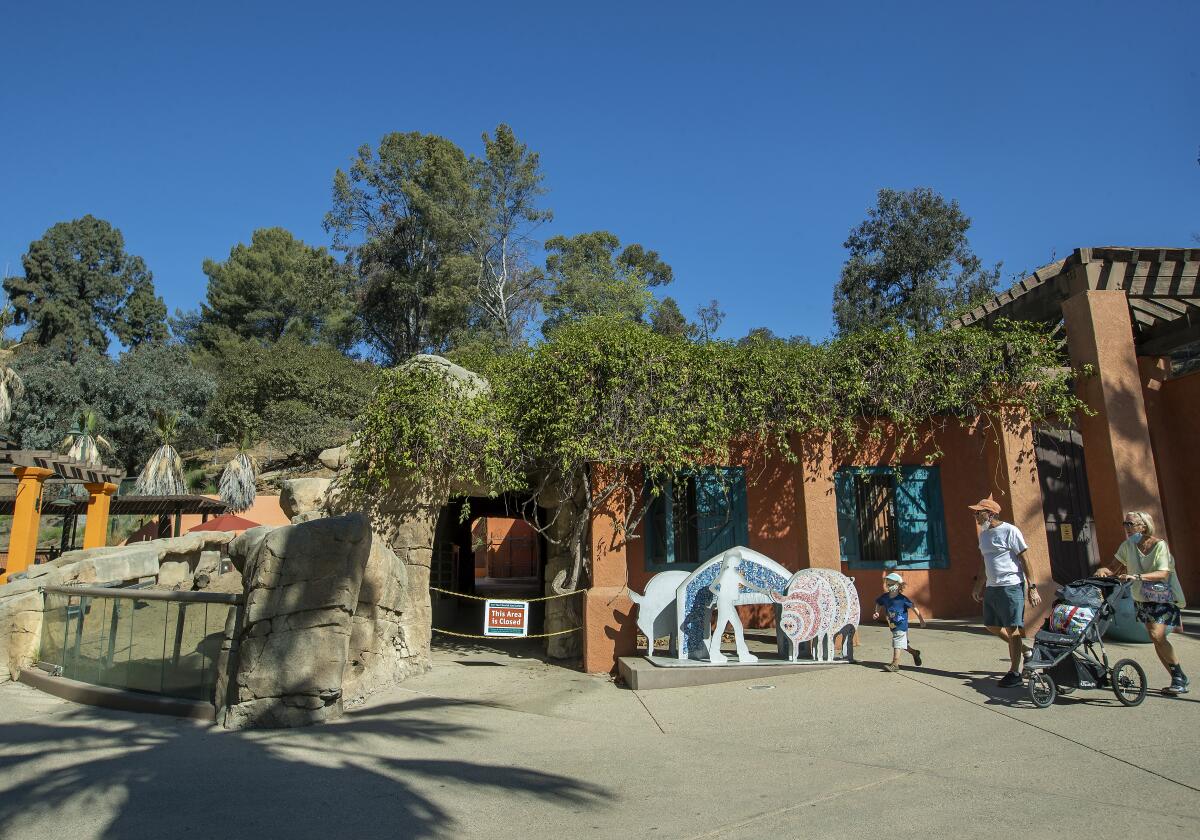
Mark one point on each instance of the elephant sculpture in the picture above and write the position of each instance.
(818, 605)
(656, 608)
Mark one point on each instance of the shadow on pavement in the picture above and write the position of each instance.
(118, 775)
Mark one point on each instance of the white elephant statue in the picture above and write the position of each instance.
(656, 608)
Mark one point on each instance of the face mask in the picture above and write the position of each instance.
(893, 588)
(1136, 536)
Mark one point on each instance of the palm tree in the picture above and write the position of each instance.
(163, 473)
(237, 487)
(82, 443)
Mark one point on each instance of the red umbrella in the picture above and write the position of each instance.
(225, 522)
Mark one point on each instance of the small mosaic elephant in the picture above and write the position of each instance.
(818, 605)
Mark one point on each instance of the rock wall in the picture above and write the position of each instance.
(325, 624)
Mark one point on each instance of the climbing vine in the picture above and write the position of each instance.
(611, 394)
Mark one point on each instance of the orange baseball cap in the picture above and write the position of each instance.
(989, 504)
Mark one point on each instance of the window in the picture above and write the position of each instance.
(696, 517)
(891, 514)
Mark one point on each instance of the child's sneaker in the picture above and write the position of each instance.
(891, 666)
(916, 656)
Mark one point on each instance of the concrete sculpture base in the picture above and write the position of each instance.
(643, 674)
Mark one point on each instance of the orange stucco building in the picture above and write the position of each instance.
(1129, 313)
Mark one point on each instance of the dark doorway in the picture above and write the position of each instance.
(456, 550)
(1066, 504)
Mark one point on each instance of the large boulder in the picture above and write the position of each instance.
(302, 585)
(471, 384)
(300, 496)
(20, 632)
(336, 457)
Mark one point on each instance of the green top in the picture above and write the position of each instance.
(1157, 560)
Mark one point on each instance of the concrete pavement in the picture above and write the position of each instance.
(495, 745)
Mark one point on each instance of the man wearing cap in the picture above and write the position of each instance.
(1008, 582)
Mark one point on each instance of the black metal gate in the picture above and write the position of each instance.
(1066, 504)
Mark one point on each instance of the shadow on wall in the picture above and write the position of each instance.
(130, 776)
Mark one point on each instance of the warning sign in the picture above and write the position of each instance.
(506, 618)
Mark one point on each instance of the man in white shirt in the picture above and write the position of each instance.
(1007, 580)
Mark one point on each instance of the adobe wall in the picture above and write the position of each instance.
(792, 518)
(1172, 409)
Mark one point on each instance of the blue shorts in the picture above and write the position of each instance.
(1166, 614)
(1004, 606)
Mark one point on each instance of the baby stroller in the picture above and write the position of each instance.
(1065, 655)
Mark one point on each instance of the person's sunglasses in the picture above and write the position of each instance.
(1128, 524)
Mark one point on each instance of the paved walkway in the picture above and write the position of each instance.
(499, 746)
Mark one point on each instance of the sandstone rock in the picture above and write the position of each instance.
(302, 585)
(230, 582)
(175, 574)
(247, 544)
(20, 632)
(336, 457)
(472, 383)
(300, 495)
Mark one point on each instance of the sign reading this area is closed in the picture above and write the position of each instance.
(506, 618)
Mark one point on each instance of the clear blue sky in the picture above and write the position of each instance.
(740, 140)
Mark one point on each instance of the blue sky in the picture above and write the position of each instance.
(741, 141)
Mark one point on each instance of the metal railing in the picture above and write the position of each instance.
(152, 641)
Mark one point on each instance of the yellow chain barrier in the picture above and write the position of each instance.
(526, 636)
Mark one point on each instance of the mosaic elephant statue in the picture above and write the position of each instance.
(656, 608)
(817, 606)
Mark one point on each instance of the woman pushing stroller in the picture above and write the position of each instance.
(1146, 561)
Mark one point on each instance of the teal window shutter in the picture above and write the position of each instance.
(721, 515)
(847, 516)
(920, 518)
(658, 528)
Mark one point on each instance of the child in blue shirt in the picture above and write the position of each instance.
(895, 607)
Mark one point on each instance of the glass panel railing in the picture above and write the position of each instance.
(164, 643)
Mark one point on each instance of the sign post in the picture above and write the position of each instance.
(506, 618)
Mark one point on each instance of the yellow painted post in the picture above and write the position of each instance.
(95, 529)
(27, 515)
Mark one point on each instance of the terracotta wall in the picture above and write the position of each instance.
(793, 519)
(265, 511)
(494, 555)
(1172, 408)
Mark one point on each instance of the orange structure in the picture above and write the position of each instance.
(1132, 314)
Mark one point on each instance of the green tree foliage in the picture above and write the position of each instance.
(124, 395)
(610, 394)
(405, 213)
(273, 287)
(298, 397)
(80, 286)
(910, 263)
(508, 184)
(589, 274)
(668, 320)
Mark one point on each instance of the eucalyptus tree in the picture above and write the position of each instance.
(508, 181)
(404, 214)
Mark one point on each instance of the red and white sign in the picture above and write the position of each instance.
(506, 618)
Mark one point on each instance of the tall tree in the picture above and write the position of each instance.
(404, 213)
(80, 286)
(276, 286)
(508, 180)
(590, 274)
(910, 263)
(710, 320)
(668, 320)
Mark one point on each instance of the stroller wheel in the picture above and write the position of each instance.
(1129, 682)
(1042, 690)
